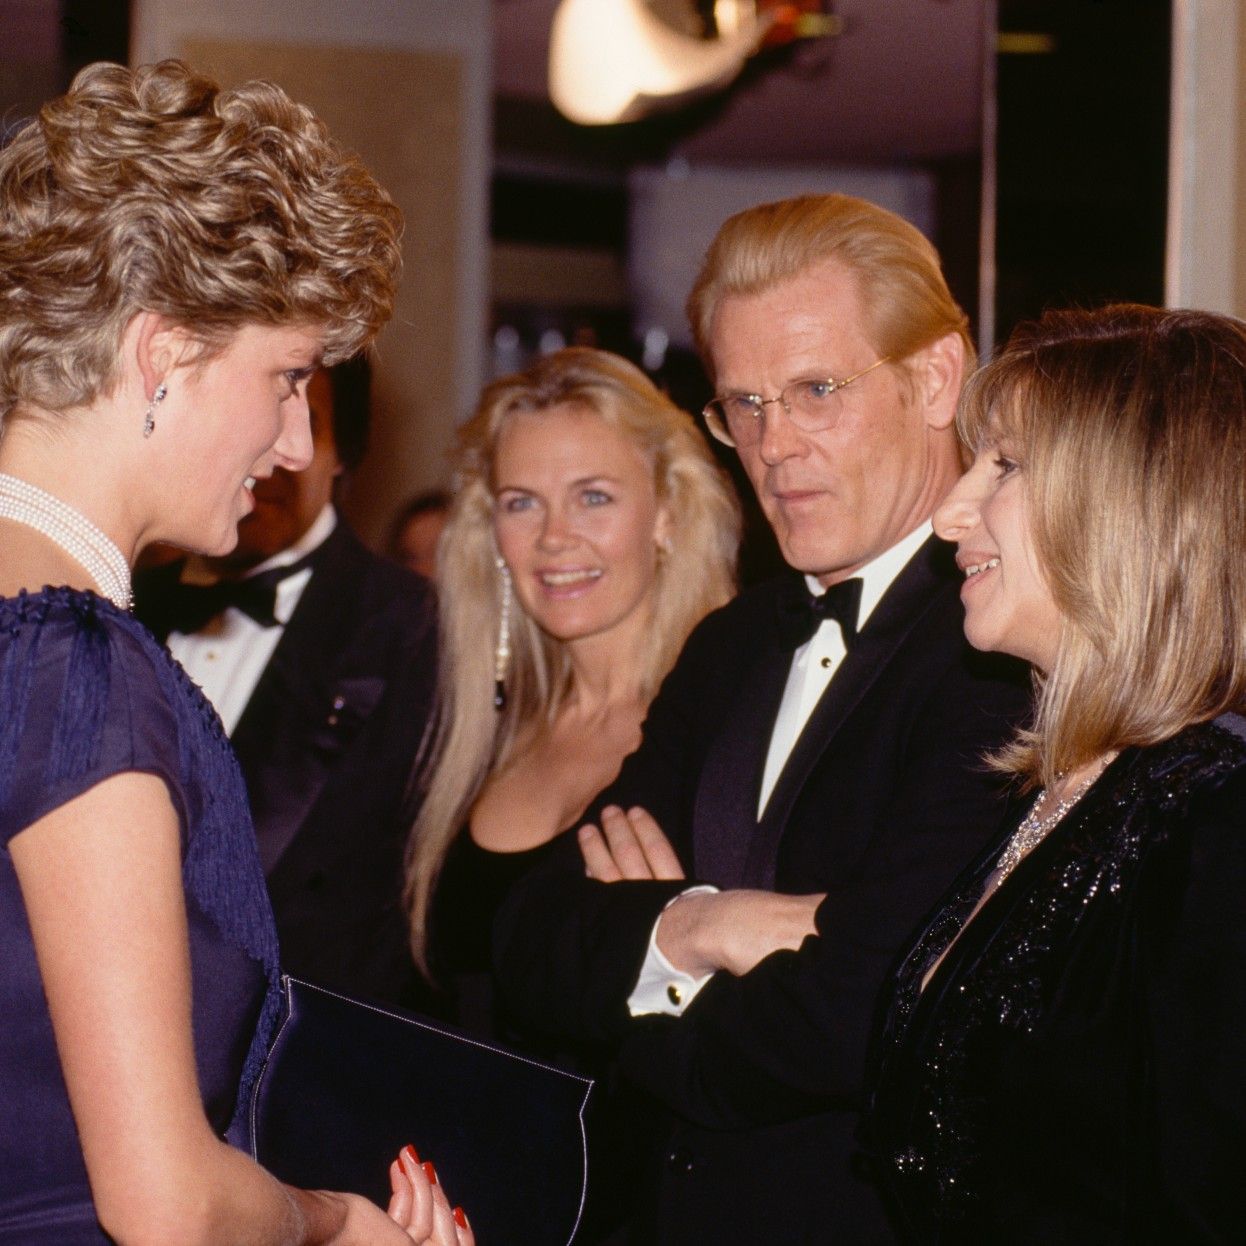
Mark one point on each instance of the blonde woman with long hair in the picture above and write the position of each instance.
(590, 531)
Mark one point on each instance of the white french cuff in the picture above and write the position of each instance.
(660, 987)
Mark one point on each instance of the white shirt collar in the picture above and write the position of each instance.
(877, 576)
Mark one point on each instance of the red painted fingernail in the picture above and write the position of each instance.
(460, 1218)
(430, 1172)
(409, 1152)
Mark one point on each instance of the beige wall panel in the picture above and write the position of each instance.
(1239, 308)
(1204, 261)
(400, 111)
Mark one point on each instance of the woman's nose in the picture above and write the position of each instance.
(556, 532)
(295, 447)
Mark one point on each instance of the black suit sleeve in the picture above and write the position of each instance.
(789, 1038)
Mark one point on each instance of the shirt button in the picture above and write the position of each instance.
(826, 664)
(675, 995)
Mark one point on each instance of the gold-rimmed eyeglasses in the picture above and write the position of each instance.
(812, 406)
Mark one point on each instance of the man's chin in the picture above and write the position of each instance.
(809, 557)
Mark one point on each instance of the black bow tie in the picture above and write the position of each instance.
(190, 607)
(801, 614)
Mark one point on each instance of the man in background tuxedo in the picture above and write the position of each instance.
(813, 760)
(320, 658)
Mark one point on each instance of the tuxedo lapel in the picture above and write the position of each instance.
(302, 708)
(913, 594)
(725, 817)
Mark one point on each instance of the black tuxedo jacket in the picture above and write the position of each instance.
(327, 743)
(882, 802)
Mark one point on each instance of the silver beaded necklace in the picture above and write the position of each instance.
(1032, 829)
(73, 532)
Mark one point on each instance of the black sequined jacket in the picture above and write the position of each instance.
(1075, 1071)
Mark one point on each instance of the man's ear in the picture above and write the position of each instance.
(662, 529)
(940, 371)
(157, 346)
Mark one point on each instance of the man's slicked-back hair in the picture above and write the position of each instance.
(904, 296)
(153, 189)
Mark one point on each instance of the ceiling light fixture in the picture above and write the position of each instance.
(612, 61)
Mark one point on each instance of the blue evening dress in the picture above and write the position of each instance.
(85, 693)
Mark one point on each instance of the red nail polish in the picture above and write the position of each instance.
(430, 1172)
(409, 1152)
(460, 1218)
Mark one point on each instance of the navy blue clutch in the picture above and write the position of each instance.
(347, 1084)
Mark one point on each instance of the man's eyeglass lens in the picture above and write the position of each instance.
(813, 406)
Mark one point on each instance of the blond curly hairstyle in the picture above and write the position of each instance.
(697, 574)
(155, 190)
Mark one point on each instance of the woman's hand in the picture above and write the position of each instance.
(630, 845)
(703, 932)
(419, 1204)
(101, 878)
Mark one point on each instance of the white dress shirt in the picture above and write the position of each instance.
(227, 658)
(661, 987)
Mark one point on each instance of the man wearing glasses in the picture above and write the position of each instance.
(810, 779)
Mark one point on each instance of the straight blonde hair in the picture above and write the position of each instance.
(472, 739)
(1130, 427)
(904, 296)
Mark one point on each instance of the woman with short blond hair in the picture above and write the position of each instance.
(1063, 1055)
(176, 261)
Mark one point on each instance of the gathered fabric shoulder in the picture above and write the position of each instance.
(86, 692)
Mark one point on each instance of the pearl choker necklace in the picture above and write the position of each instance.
(73, 532)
